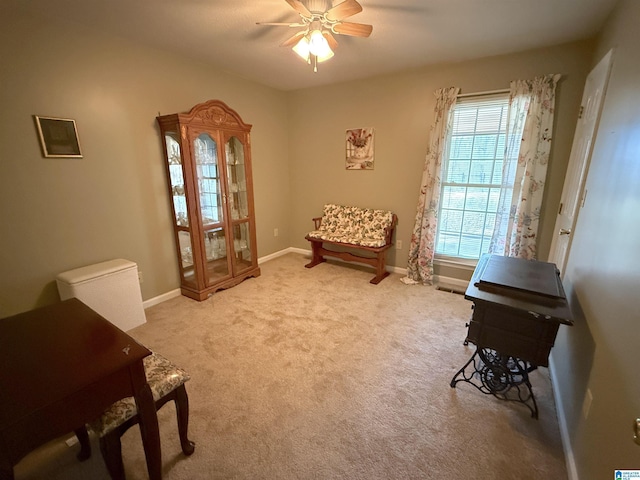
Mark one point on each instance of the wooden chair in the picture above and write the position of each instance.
(167, 383)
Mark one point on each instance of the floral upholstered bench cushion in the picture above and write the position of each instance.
(162, 376)
(354, 225)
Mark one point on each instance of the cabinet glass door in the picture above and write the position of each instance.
(206, 156)
(212, 213)
(236, 176)
(179, 200)
(238, 203)
(176, 177)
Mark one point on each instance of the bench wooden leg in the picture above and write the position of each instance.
(316, 256)
(381, 271)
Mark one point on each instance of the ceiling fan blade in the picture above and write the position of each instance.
(281, 24)
(333, 44)
(343, 10)
(299, 7)
(293, 40)
(353, 29)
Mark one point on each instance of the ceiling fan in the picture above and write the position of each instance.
(319, 21)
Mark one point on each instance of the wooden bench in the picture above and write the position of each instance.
(362, 229)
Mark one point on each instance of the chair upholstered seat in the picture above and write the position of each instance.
(166, 381)
(163, 377)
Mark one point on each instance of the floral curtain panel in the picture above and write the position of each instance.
(421, 251)
(531, 108)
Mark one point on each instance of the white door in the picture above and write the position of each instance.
(573, 192)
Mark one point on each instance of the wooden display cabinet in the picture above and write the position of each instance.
(208, 161)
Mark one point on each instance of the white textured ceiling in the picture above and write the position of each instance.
(406, 33)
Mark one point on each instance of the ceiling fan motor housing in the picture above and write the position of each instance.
(317, 6)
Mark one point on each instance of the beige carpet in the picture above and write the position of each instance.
(317, 374)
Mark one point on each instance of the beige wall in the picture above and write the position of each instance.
(400, 108)
(602, 351)
(59, 214)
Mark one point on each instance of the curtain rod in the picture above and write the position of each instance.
(480, 94)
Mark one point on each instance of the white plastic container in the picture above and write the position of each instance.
(110, 288)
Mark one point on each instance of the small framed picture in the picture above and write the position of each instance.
(359, 143)
(58, 137)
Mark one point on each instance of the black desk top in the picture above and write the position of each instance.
(527, 285)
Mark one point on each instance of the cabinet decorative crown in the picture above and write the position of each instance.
(216, 112)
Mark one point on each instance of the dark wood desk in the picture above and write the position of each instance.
(60, 367)
(518, 306)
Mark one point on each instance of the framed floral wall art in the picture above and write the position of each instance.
(359, 149)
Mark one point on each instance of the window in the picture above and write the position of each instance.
(472, 176)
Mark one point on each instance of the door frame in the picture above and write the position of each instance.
(582, 172)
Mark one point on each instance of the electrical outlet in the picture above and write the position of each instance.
(275, 232)
(140, 279)
(586, 405)
(398, 244)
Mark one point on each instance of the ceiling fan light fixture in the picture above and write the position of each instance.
(325, 57)
(318, 45)
(302, 48)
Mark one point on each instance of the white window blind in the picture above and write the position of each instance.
(472, 176)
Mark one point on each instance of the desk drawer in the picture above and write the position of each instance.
(509, 343)
(514, 333)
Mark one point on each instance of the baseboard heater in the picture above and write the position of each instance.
(450, 284)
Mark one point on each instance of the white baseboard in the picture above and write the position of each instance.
(301, 251)
(284, 252)
(161, 298)
(400, 270)
(570, 460)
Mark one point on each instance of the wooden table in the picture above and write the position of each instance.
(518, 306)
(60, 367)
